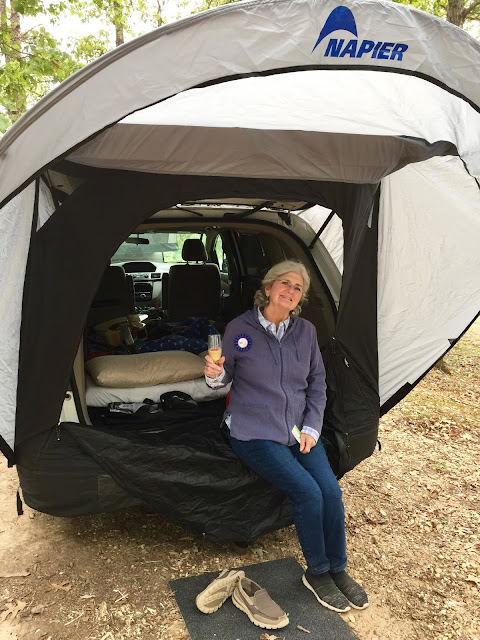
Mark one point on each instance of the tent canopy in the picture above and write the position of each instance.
(370, 109)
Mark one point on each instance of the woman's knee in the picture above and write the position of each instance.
(310, 495)
(332, 493)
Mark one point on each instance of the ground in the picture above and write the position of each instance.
(412, 513)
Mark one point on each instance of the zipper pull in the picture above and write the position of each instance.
(57, 431)
(346, 363)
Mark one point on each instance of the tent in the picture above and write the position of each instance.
(365, 114)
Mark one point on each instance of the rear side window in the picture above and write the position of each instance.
(253, 255)
(179, 239)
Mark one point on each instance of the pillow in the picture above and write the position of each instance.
(145, 369)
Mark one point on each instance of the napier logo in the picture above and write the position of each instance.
(341, 19)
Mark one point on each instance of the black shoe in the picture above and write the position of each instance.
(354, 593)
(326, 591)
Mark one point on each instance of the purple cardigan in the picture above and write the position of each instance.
(275, 385)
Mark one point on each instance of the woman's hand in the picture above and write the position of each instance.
(307, 442)
(213, 370)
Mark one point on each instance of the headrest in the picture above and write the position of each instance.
(112, 282)
(112, 298)
(194, 250)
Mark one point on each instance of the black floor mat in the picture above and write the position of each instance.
(283, 581)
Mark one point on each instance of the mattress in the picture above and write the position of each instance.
(197, 389)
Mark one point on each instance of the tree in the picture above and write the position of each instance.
(33, 61)
(459, 12)
(122, 15)
(204, 5)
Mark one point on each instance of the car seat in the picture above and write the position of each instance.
(194, 288)
(114, 297)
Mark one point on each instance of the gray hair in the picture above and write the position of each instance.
(278, 270)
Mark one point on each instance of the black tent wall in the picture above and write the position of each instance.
(69, 253)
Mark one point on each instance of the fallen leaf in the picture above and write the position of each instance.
(12, 609)
(63, 586)
(300, 628)
(266, 636)
(102, 611)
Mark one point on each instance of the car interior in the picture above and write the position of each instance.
(168, 286)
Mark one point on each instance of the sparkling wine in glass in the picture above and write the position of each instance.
(215, 347)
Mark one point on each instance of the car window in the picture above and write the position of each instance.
(176, 255)
(220, 255)
(154, 247)
(253, 255)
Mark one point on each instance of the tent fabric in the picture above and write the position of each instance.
(369, 109)
(207, 489)
(351, 359)
(63, 480)
(207, 48)
(218, 130)
(113, 205)
(443, 301)
(46, 206)
(292, 154)
(331, 236)
(15, 233)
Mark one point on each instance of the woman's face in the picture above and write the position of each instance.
(286, 291)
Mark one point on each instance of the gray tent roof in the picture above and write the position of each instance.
(237, 40)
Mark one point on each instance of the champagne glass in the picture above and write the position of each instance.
(215, 347)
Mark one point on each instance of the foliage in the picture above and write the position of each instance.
(35, 60)
(117, 13)
(436, 7)
(32, 62)
(88, 48)
(203, 5)
(458, 12)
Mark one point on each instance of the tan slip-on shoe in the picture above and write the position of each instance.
(250, 598)
(213, 596)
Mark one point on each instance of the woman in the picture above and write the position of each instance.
(275, 417)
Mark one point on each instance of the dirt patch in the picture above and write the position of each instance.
(412, 513)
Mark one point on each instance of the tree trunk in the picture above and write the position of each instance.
(118, 21)
(3, 11)
(14, 54)
(159, 15)
(3, 26)
(455, 12)
(118, 36)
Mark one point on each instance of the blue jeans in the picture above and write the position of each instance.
(314, 493)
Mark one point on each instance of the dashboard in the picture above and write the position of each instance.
(147, 281)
